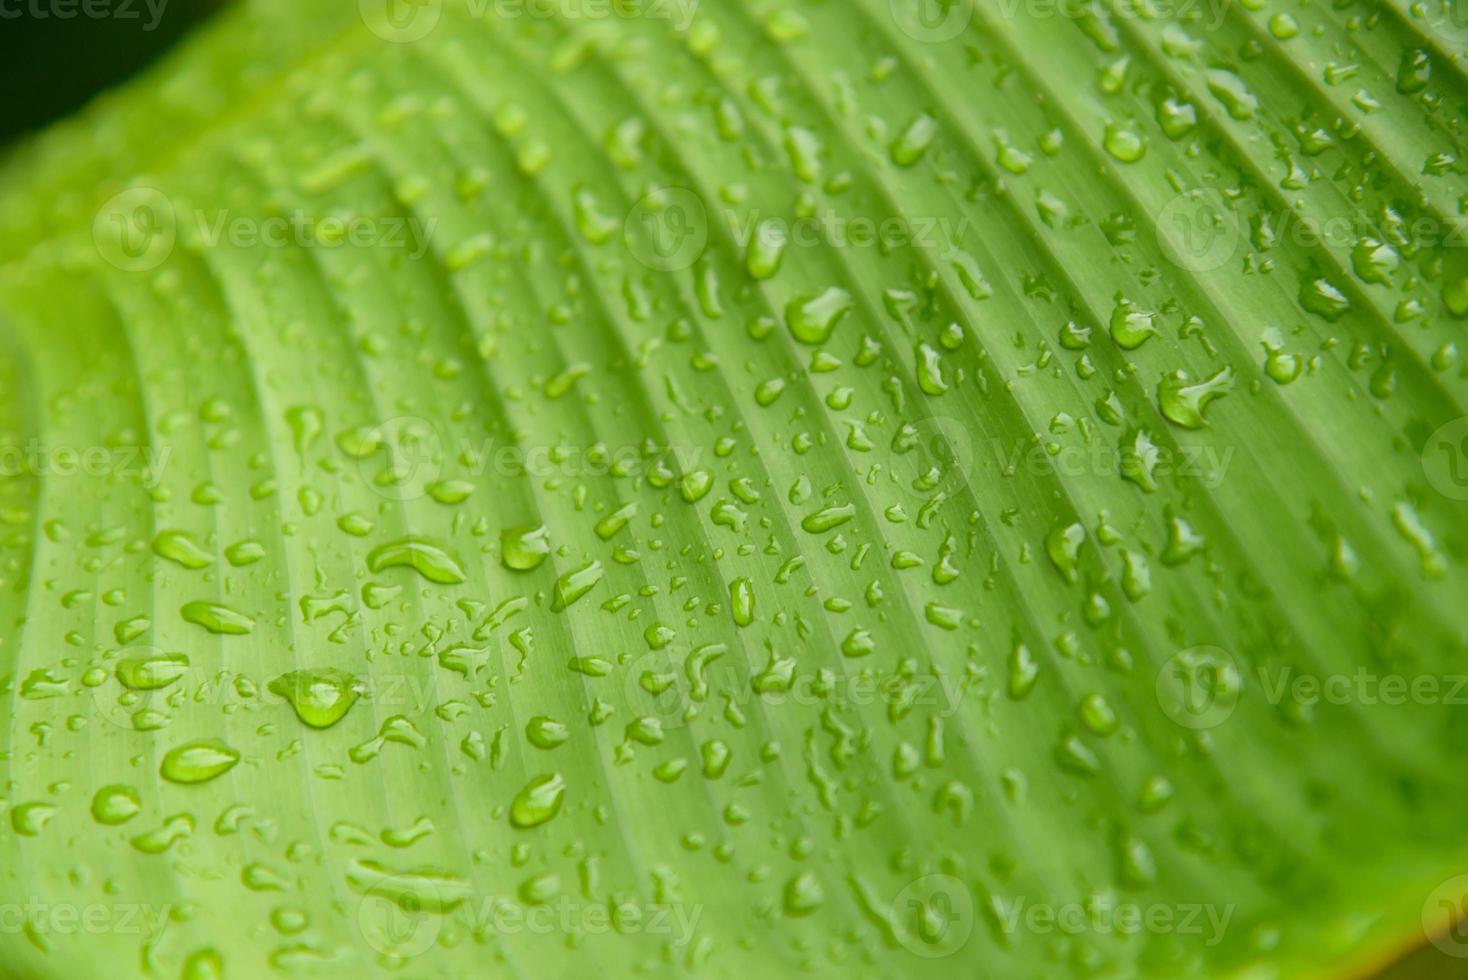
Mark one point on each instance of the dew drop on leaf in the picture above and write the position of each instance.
(198, 762)
(538, 801)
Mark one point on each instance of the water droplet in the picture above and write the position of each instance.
(910, 146)
(1230, 89)
(321, 696)
(783, 25)
(450, 492)
(803, 895)
(1139, 458)
(428, 560)
(1414, 71)
(1138, 868)
(151, 673)
(828, 518)
(1136, 575)
(741, 601)
(546, 733)
(930, 370)
(1280, 365)
(1374, 261)
(415, 891)
(1023, 672)
(1177, 119)
(1131, 327)
(576, 583)
(858, 643)
(766, 250)
(1283, 26)
(1124, 144)
(539, 801)
(29, 819)
(1323, 298)
(115, 804)
(203, 964)
(1063, 545)
(1097, 715)
(198, 762)
(217, 618)
(1184, 403)
(180, 548)
(524, 549)
(813, 318)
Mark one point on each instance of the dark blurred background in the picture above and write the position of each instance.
(51, 64)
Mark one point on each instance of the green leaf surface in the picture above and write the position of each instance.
(862, 489)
